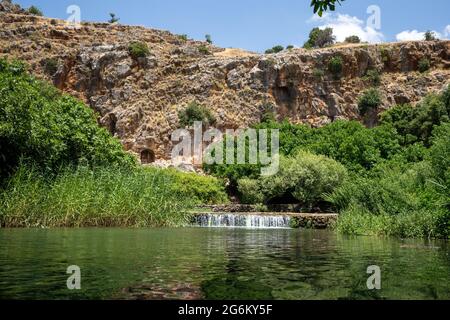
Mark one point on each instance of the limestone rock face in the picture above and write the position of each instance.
(138, 100)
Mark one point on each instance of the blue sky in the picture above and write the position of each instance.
(259, 24)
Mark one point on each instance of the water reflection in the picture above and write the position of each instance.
(196, 263)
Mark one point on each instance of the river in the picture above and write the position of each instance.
(218, 263)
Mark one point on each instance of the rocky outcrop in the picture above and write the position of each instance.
(138, 100)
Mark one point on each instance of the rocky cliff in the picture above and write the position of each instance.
(138, 99)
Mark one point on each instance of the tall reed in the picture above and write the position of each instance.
(86, 198)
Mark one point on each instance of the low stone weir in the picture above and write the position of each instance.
(237, 220)
(263, 220)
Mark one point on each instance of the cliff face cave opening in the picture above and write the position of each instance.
(147, 156)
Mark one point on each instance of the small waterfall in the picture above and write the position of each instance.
(242, 221)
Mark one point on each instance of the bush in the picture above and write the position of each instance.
(41, 126)
(35, 11)
(429, 36)
(195, 112)
(335, 66)
(353, 39)
(304, 177)
(275, 49)
(183, 37)
(290, 47)
(203, 50)
(138, 49)
(199, 189)
(50, 66)
(208, 38)
(424, 65)
(370, 100)
(320, 38)
(374, 77)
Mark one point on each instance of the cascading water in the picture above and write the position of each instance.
(242, 221)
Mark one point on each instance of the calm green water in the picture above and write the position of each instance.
(195, 263)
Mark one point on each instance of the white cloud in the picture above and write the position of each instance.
(415, 35)
(345, 25)
(447, 31)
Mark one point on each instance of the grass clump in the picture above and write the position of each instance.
(138, 49)
(369, 101)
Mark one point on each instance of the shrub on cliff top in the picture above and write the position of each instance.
(319, 38)
(353, 39)
(274, 49)
(35, 11)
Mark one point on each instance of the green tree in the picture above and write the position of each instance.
(429, 36)
(319, 38)
(47, 129)
(113, 19)
(208, 38)
(35, 11)
(353, 39)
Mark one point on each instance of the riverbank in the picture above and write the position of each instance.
(105, 197)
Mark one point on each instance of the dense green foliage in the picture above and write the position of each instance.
(39, 125)
(138, 49)
(416, 124)
(195, 112)
(398, 172)
(320, 38)
(304, 177)
(368, 101)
